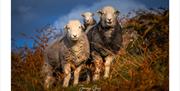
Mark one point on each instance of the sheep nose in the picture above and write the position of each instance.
(87, 20)
(109, 20)
(74, 36)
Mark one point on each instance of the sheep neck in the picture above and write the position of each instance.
(92, 23)
(70, 42)
(74, 46)
(103, 29)
(108, 34)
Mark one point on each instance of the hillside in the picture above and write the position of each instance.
(143, 64)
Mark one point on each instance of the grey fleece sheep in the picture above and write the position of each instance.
(105, 40)
(89, 21)
(69, 52)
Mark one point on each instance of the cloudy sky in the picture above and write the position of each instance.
(29, 15)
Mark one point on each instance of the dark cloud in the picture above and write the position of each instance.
(28, 15)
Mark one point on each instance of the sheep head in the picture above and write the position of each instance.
(88, 17)
(108, 16)
(74, 29)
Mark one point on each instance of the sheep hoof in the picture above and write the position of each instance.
(75, 84)
(65, 86)
(88, 80)
(96, 77)
(106, 77)
(46, 86)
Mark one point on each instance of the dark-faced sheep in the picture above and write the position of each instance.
(88, 20)
(105, 40)
(67, 53)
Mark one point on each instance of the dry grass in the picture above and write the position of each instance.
(143, 67)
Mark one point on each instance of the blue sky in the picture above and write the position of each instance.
(29, 15)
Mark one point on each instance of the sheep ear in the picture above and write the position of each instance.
(117, 12)
(99, 12)
(82, 15)
(92, 14)
(65, 27)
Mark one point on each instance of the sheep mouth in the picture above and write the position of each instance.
(87, 21)
(74, 39)
(109, 23)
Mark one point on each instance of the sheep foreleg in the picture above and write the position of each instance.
(107, 64)
(67, 70)
(76, 75)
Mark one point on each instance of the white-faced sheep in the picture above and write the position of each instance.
(67, 53)
(105, 40)
(88, 20)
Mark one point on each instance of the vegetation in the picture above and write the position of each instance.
(143, 67)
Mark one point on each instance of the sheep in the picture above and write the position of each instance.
(69, 52)
(88, 20)
(105, 40)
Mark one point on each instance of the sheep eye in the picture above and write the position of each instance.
(102, 13)
(79, 26)
(68, 28)
(116, 12)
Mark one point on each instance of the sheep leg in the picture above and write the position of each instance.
(88, 79)
(97, 59)
(49, 79)
(97, 69)
(67, 71)
(76, 75)
(107, 64)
